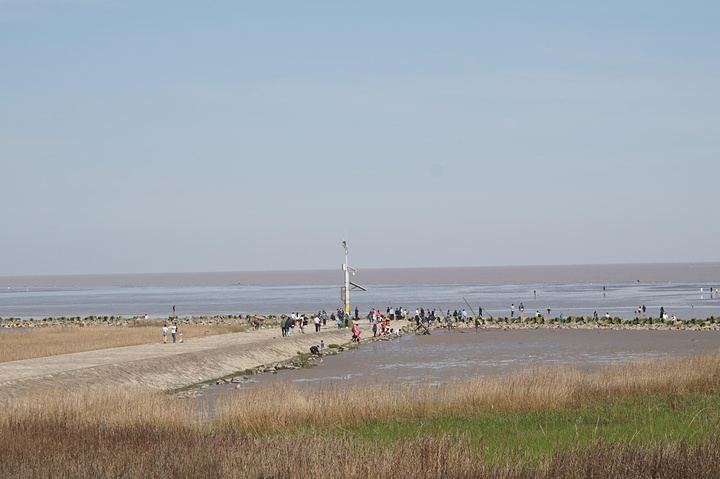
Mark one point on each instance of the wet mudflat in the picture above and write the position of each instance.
(450, 355)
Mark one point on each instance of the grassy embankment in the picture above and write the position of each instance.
(20, 343)
(651, 419)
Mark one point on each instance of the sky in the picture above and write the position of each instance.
(183, 136)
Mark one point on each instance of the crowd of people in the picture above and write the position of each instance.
(379, 320)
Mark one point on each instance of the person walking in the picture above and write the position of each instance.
(173, 331)
(301, 322)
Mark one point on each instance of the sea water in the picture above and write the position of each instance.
(578, 290)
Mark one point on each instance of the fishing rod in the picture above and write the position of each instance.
(477, 322)
(473, 312)
(471, 308)
(491, 316)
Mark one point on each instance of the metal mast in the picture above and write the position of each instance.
(345, 290)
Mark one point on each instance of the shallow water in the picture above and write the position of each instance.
(568, 290)
(446, 356)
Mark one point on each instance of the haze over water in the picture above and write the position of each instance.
(570, 290)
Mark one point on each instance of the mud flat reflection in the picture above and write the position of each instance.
(446, 356)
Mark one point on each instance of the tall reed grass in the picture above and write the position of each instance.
(114, 432)
(262, 411)
(84, 452)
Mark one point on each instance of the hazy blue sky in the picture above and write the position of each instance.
(159, 136)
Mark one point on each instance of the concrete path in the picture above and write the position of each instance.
(162, 366)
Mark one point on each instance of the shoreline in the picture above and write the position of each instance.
(272, 321)
(204, 360)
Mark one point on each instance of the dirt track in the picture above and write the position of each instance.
(161, 366)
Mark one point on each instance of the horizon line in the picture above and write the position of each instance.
(689, 263)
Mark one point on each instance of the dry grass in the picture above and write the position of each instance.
(150, 452)
(137, 433)
(115, 407)
(538, 390)
(16, 344)
(342, 407)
